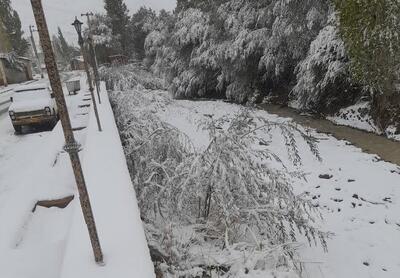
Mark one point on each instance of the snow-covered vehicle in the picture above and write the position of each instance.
(33, 105)
(73, 85)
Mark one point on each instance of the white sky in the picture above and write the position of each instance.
(62, 12)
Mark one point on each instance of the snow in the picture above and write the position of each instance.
(33, 168)
(54, 242)
(391, 133)
(31, 104)
(356, 116)
(115, 209)
(360, 204)
(31, 87)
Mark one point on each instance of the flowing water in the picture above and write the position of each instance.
(386, 149)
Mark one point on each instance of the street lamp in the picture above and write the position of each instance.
(78, 27)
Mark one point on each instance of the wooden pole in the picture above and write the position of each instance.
(71, 146)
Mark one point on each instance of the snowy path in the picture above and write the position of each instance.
(360, 201)
(51, 243)
(32, 168)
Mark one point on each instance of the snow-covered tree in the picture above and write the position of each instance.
(11, 25)
(233, 195)
(241, 49)
(64, 51)
(118, 21)
(324, 80)
(371, 32)
(138, 31)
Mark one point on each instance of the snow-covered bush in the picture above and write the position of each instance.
(128, 77)
(238, 49)
(324, 82)
(233, 197)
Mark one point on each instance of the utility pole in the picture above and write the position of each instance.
(71, 146)
(78, 27)
(35, 50)
(93, 54)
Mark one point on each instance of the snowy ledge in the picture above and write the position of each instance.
(115, 208)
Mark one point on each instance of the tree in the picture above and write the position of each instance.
(105, 42)
(12, 27)
(64, 51)
(371, 32)
(118, 22)
(139, 29)
(241, 49)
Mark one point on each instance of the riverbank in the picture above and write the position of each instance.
(372, 143)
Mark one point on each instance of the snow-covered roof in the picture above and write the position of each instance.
(29, 87)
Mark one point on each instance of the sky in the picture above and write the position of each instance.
(62, 12)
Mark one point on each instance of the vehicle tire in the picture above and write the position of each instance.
(18, 129)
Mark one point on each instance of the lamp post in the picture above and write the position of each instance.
(78, 27)
(71, 146)
(93, 54)
(35, 50)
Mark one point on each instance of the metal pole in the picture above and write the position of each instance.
(89, 78)
(35, 51)
(93, 54)
(71, 146)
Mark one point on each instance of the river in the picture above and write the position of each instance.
(385, 148)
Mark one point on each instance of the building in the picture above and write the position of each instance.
(14, 69)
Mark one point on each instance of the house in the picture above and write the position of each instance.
(77, 63)
(14, 69)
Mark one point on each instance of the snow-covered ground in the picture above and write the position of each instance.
(50, 243)
(32, 168)
(359, 196)
(358, 116)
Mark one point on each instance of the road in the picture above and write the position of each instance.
(33, 167)
(6, 92)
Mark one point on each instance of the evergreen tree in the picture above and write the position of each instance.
(371, 32)
(64, 51)
(12, 27)
(65, 47)
(118, 22)
(139, 29)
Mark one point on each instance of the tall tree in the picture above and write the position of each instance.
(119, 20)
(371, 32)
(64, 51)
(139, 29)
(12, 27)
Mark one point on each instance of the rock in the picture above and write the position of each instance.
(351, 180)
(355, 196)
(325, 176)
